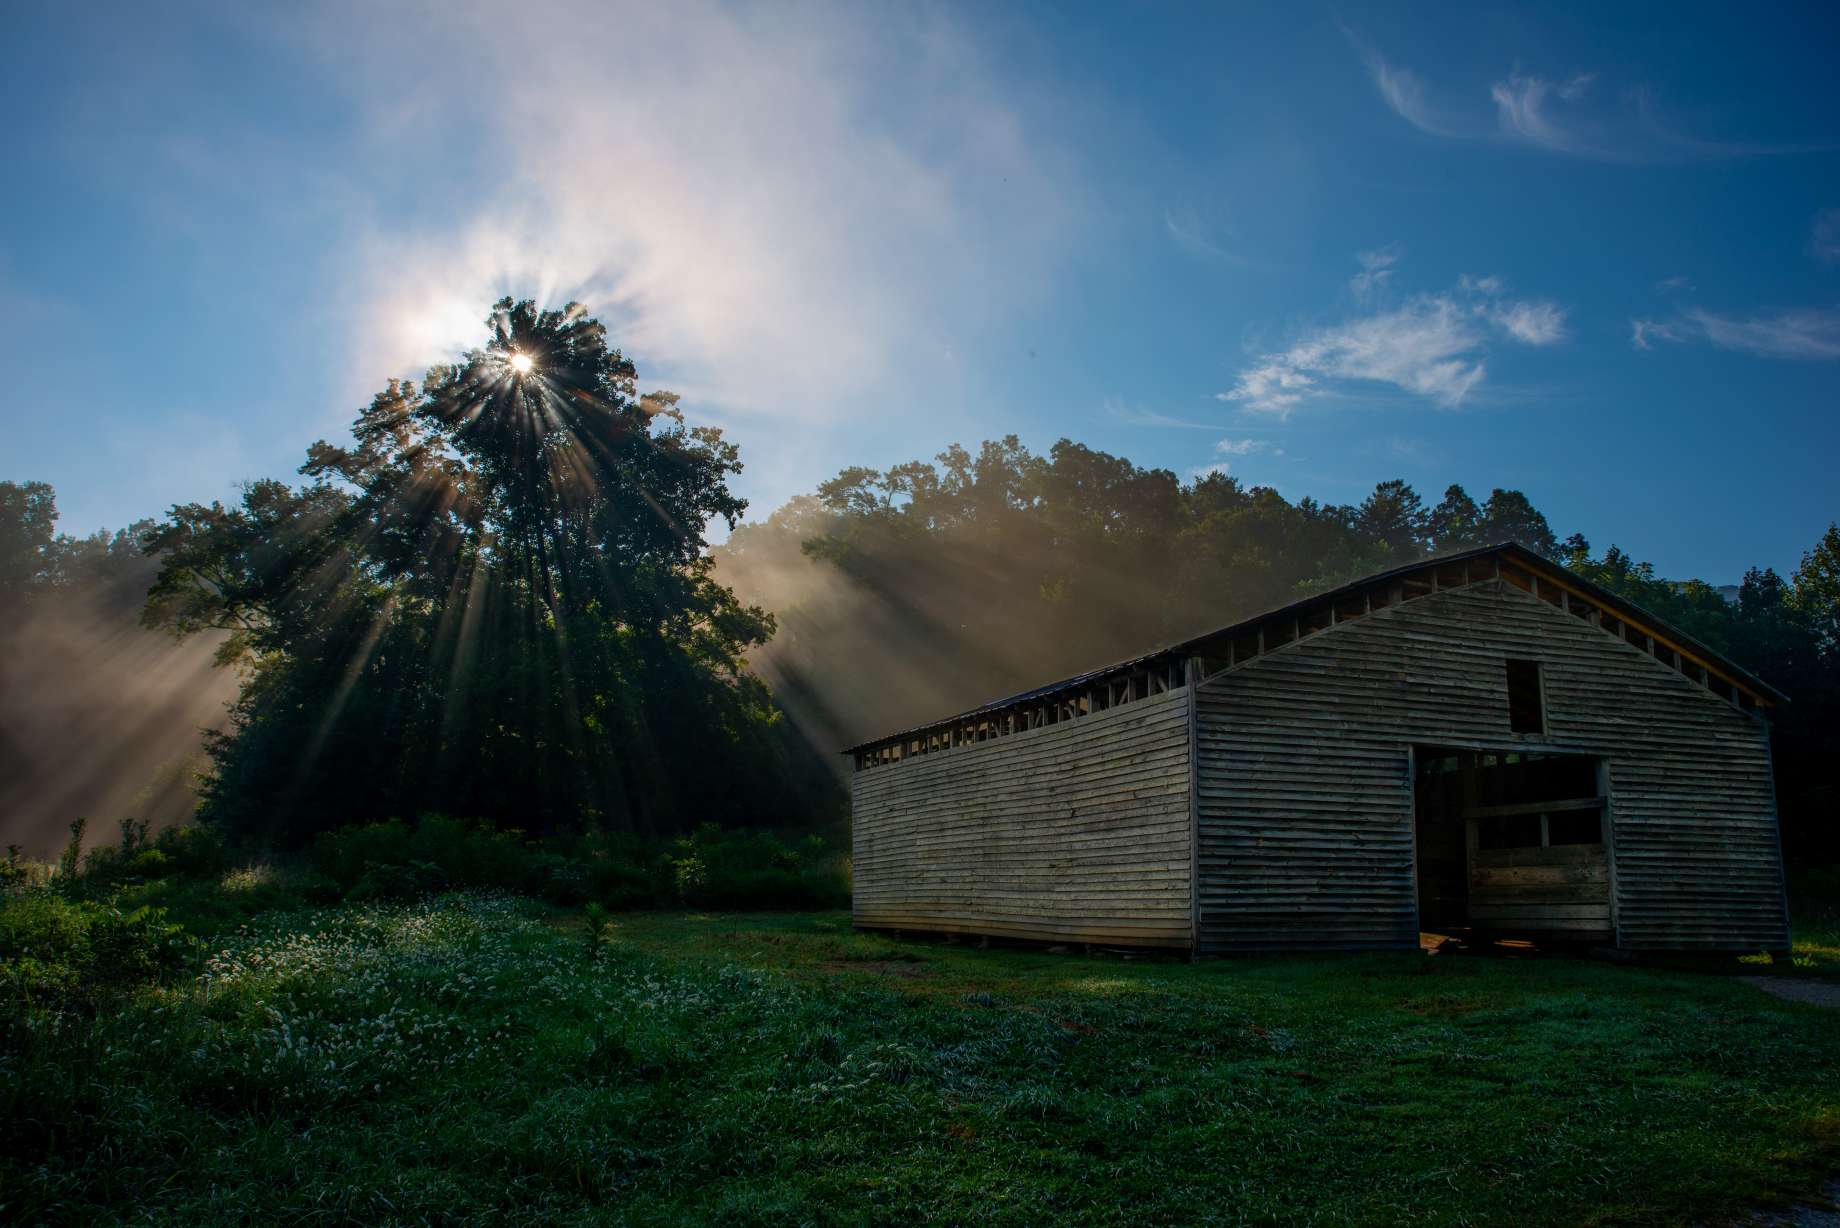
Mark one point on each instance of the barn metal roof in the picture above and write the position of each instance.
(1523, 556)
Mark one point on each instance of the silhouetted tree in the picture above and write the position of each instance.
(494, 601)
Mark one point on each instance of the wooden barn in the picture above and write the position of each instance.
(1481, 744)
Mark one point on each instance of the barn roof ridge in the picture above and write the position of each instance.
(1513, 549)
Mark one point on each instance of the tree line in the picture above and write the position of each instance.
(906, 594)
(497, 600)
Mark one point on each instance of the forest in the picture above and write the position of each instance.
(497, 600)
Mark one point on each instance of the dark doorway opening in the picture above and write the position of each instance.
(1512, 848)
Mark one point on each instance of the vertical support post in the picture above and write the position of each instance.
(1191, 668)
(1609, 822)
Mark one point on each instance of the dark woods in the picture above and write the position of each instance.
(496, 601)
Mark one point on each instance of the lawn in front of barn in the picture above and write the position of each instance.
(484, 1059)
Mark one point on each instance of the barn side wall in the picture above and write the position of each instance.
(1077, 832)
(1305, 798)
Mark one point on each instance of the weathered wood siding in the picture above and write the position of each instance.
(1549, 892)
(1075, 832)
(1305, 799)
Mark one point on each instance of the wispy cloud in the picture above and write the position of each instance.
(1804, 334)
(1246, 447)
(1530, 323)
(1524, 111)
(1674, 285)
(1824, 241)
(1570, 115)
(1196, 237)
(1404, 92)
(1376, 270)
(1432, 346)
(1137, 415)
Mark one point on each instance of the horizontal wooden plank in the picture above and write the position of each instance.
(1078, 833)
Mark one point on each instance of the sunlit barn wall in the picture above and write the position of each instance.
(1076, 832)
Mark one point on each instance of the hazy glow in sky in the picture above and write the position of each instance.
(1572, 253)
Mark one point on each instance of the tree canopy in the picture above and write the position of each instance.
(494, 600)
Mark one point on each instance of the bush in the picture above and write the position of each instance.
(717, 868)
(59, 953)
(216, 905)
(392, 860)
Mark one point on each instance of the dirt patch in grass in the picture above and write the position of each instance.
(1796, 989)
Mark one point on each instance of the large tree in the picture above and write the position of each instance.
(495, 601)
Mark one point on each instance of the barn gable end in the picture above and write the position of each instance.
(1305, 765)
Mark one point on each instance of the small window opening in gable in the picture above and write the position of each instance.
(1526, 713)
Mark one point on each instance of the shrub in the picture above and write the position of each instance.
(392, 860)
(56, 952)
(717, 868)
(193, 852)
(212, 906)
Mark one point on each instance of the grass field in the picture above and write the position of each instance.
(479, 1060)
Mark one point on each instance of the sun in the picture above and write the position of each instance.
(520, 363)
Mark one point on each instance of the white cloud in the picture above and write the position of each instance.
(1274, 386)
(776, 211)
(1824, 242)
(1530, 323)
(1432, 346)
(1521, 110)
(1803, 334)
(1376, 270)
(1644, 333)
(1219, 468)
(1674, 285)
(1404, 92)
(1428, 346)
(1245, 447)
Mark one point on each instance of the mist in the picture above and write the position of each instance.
(99, 717)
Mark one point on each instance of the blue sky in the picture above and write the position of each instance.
(1593, 252)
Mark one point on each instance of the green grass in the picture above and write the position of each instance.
(472, 1061)
(1817, 949)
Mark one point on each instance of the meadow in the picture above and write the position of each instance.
(483, 1057)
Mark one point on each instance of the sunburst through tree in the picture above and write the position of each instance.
(494, 601)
